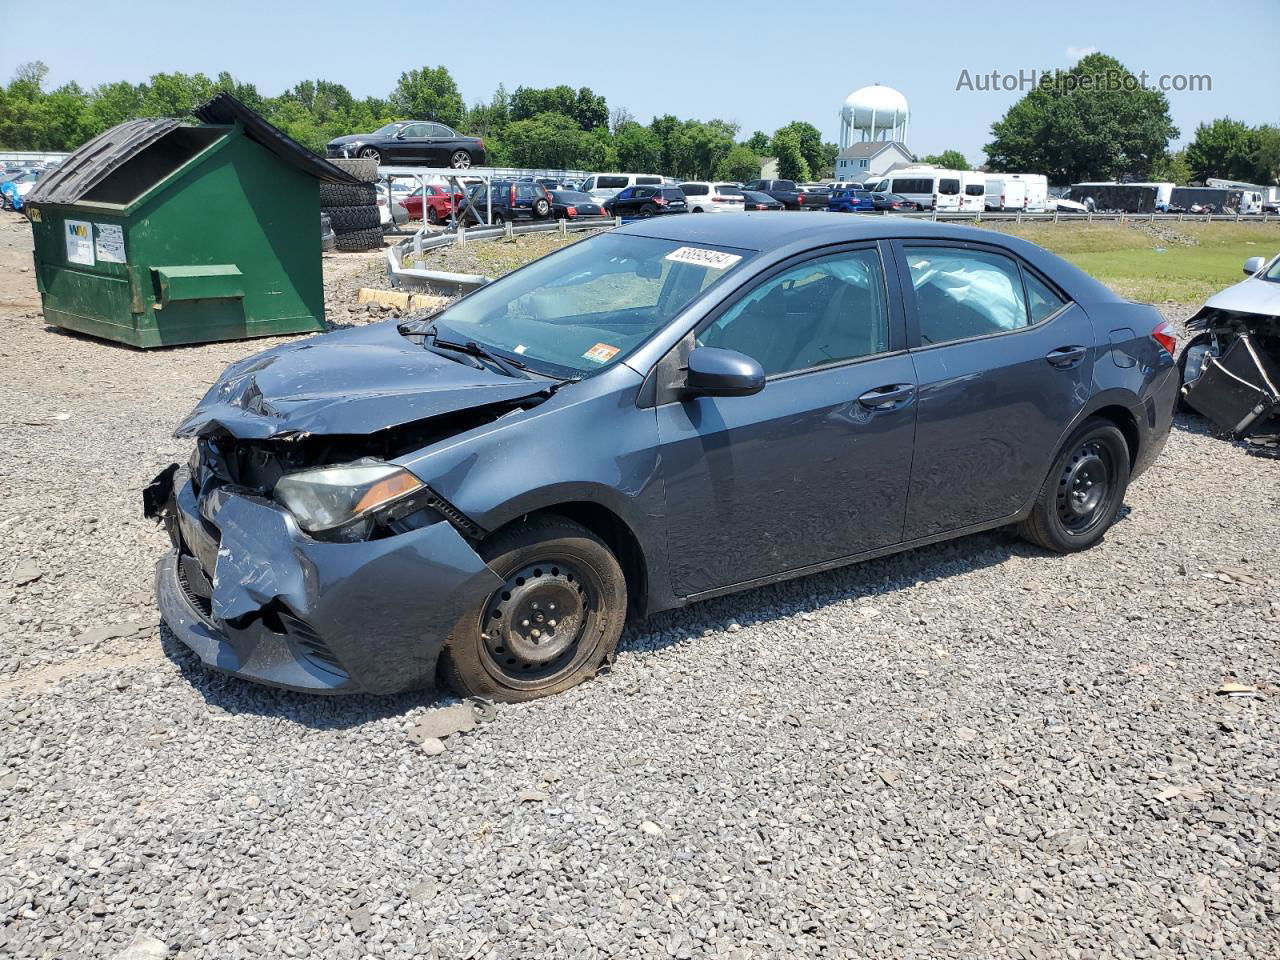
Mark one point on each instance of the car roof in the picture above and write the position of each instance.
(813, 229)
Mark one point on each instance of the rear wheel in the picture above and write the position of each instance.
(541, 209)
(552, 623)
(1084, 490)
(648, 210)
(433, 218)
(460, 160)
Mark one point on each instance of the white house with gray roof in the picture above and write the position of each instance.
(870, 158)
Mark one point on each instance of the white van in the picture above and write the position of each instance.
(973, 190)
(929, 188)
(602, 186)
(1005, 192)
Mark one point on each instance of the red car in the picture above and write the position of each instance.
(439, 203)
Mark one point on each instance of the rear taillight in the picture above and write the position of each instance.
(660, 201)
(513, 196)
(570, 211)
(800, 200)
(1163, 334)
(480, 142)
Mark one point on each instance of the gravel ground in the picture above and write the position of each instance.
(971, 750)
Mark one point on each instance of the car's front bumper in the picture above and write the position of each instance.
(254, 596)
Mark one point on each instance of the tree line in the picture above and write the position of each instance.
(1067, 128)
(553, 127)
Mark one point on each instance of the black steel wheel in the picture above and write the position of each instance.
(461, 160)
(551, 624)
(1084, 490)
(433, 218)
(648, 210)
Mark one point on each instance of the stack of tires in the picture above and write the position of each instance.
(352, 208)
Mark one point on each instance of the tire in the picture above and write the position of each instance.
(546, 561)
(371, 153)
(648, 210)
(350, 219)
(433, 218)
(366, 171)
(541, 209)
(368, 239)
(497, 219)
(347, 195)
(1084, 490)
(1199, 340)
(460, 160)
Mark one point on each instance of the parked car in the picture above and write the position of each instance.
(754, 200)
(850, 201)
(646, 202)
(512, 200)
(705, 196)
(1230, 368)
(439, 201)
(891, 203)
(602, 186)
(626, 426)
(391, 212)
(412, 143)
(787, 193)
(568, 204)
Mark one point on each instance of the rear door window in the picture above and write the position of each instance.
(611, 183)
(694, 189)
(962, 293)
(651, 181)
(948, 186)
(1042, 301)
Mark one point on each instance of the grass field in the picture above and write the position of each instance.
(1156, 262)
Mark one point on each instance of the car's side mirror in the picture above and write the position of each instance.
(716, 372)
(1253, 265)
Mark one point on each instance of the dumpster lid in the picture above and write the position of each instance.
(226, 109)
(96, 160)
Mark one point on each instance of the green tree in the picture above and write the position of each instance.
(429, 94)
(174, 94)
(546, 140)
(588, 109)
(111, 104)
(1266, 155)
(639, 148)
(791, 161)
(695, 149)
(758, 143)
(1092, 122)
(809, 139)
(1223, 148)
(948, 159)
(740, 164)
(1172, 168)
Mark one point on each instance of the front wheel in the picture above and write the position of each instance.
(553, 622)
(461, 160)
(369, 153)
(1084, 490)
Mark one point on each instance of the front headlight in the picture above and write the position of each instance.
(330, 497)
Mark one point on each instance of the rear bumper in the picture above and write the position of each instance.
(253, 596)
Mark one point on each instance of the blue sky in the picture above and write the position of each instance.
(758, 64)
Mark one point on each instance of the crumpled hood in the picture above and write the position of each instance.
(352, 382)
(1249, 296)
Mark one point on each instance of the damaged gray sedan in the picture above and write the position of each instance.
(674, 410)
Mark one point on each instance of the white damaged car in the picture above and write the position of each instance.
(1231, 366)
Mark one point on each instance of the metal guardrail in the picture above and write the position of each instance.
(440, 281)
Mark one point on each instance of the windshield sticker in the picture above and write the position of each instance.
(521, 349)
(715, 259)
(601, 353)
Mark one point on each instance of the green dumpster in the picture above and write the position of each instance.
(158, 233)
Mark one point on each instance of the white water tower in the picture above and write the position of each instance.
(874, 113)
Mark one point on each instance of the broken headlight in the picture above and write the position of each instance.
(340, 501)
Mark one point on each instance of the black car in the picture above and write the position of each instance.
(646, 202)
(567, 204)
(891, 202)
(512, 200)
(412, 143)
(652, 416)
(755, 200)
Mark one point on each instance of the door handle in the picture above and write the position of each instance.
(1066, 356)
(888, 396)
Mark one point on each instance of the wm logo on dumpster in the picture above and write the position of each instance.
(80, 230)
